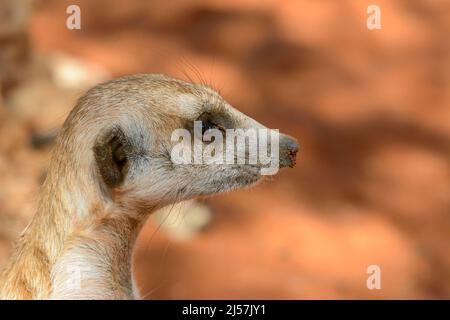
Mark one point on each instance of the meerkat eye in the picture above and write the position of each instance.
(207, 125)
(210, 122)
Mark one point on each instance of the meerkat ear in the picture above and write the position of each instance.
(110, 152)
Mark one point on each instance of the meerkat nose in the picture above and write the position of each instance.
(288, 151)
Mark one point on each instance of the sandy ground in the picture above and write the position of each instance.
(370, 108)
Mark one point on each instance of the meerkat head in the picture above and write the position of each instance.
(145, 139)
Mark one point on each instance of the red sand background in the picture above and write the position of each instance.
(371, 110)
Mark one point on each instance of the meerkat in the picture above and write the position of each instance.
(110, 168)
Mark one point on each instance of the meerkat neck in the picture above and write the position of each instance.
(27, 274)
(75, 246)
(96, 261)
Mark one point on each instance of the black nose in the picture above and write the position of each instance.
(288, 151)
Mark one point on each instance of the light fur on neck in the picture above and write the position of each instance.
(78, 244)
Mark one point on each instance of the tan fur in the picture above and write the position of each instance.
(79, 243)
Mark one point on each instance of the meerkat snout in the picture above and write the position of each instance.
(288, 151)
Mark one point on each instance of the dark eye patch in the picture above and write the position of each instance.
(214, 121)
(207, 125)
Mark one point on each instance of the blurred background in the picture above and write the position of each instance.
(371, 109)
